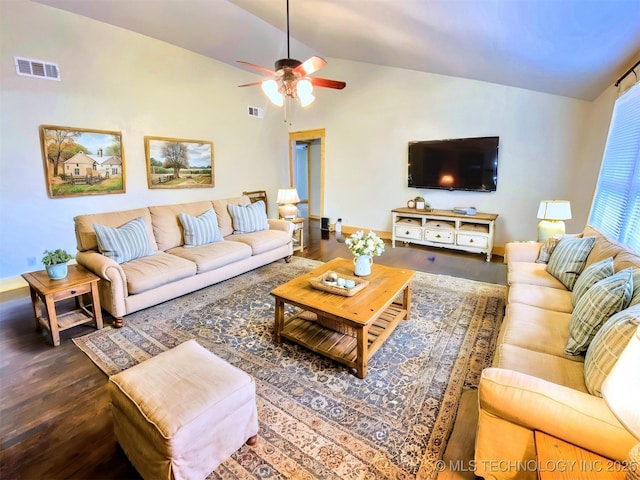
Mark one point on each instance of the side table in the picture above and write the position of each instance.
(298, 234)
(46, 292)
(561, 460)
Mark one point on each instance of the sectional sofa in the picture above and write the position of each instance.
(560, 337)
(149, 255)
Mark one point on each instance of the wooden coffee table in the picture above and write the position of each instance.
(348, 330)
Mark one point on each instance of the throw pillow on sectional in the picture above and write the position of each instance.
(547, 249)
(200, 230)
(603, 300)
(568, 259)
(592, 274)
(635, 297)
(607, 346)
(249, 218)
(124, 243)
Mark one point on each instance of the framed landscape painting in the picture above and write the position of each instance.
(176, 163)
(79, 161)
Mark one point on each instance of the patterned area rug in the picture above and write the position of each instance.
(317, 419)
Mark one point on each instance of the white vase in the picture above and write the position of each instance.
(363, 265)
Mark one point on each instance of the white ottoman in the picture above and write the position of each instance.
(180, 414)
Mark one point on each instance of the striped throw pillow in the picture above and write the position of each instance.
(568, 259)
(592, 274)
(124, 243)
(603, 300)
(200, 230)
(249, 218)
(607, 346)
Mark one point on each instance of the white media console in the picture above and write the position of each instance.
(445, 229)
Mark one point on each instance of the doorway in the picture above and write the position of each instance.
(306, 171)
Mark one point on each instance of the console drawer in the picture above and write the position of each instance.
(408, 231)
(438, 236)
(467, 240)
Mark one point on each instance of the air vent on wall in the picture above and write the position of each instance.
(256, 112)
(28, 67)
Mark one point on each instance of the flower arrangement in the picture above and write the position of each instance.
(360, 245)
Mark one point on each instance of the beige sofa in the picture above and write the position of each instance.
(173, 269)
(533, 385)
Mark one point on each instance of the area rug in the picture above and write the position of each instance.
(317, 419)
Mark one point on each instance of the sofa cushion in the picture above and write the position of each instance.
(203, 229)
(156, 270)
(124, 243)
(552, 368)
(530, 273)
(591, 274)
(249, 218)
(213, 255)
(536, 329)
(568, 259)
(602, 248)
(167, 228)
(86, 235)
(262, 241)
(602, 300)
(607, 346)
(222, 211)
(556, 299)
(626, 259)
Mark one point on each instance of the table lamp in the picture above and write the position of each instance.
(552, 213)
(621, 392)
(287, 198)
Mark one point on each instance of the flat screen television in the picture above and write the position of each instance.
(456, 164)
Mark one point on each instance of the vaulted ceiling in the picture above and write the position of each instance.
(574, 48)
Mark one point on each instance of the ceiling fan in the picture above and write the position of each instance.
(290, 78)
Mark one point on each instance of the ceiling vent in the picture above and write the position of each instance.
(28, 67)
(256, 112)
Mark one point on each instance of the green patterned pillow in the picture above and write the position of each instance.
(635, 297)
(604, 299)
(249, 218)
(200, 230)
(592, 274)
(568, 258)
(607, 346)
(124, 243)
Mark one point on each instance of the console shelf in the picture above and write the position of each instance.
(444, 229)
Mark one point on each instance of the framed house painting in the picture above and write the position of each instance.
(176, 163)
(81, 162)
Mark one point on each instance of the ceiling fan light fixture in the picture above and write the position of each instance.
(304, 90)
(270, 89)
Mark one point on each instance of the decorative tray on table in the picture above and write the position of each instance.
(332, 287)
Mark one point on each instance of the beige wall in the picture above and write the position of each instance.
(369, 124)
(112, 79)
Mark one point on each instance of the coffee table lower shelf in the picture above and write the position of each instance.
(340, 346)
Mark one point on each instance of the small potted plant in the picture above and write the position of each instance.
(56, 263)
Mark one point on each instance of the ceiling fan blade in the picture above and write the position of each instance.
(325, 82)
(310, 66)
(250, 84)
(257, 67)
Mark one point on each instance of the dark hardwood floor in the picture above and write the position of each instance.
(55, 419)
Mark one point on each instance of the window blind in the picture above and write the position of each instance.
(616, 204)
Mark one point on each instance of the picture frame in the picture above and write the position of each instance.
(81, 161)
(179, 163)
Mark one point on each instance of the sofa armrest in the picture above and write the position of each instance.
(521, 251)
(284, 225)
(576, 417)
(106, 268)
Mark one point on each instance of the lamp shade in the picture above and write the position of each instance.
(287, 196)
(621, 389)
(554, 210)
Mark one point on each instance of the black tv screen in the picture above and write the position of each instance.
(456, 164)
